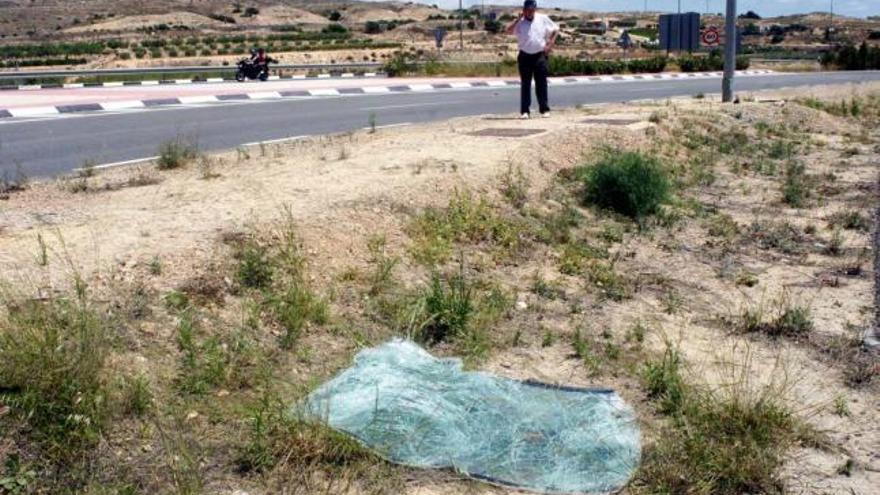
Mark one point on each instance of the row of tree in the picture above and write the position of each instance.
(850, 57)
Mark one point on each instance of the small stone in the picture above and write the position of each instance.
(522, 305)
(192, 415)
(223, 393)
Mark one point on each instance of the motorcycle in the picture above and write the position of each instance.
(249, 70)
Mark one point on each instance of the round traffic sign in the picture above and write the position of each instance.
(711, 36)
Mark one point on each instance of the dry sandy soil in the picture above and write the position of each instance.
(685, 275)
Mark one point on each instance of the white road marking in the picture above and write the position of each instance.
(324, 92)
(33, 111)
(121, 105)
(276, 141)
(411, 105)
(264, 95)
(187, 100)
(389, 126)
(118, 164)
(376, 90)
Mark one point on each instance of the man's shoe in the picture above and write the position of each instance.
(545, 115)
(524, 116)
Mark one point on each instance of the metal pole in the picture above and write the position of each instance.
(729, 52)
(679, 6)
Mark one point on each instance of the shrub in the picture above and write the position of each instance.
(334, 29)
(255, 270)
(372, 27)
(176, 153)
(796, 188)
(630, 183)
(251, 12)
(492, 26)
(52, 357)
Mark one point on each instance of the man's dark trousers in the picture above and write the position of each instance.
(533, 65)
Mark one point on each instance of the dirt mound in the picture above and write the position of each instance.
(130, 23)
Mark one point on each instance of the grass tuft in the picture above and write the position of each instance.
(725, 441)
(176, 153)
(52, 362)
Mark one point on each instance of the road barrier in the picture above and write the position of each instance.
(27, 74)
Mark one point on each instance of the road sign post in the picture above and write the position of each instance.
(711, 36)
(730, 36)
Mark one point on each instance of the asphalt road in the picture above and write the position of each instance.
(53, 146)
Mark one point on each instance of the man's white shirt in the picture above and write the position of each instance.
(532, 35)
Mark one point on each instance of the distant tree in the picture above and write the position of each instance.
(335, 16)
(492, 26)
(334, 29)
(750, 15)
(751, 29)
(372, 27)
(471, 24)
(251, 11)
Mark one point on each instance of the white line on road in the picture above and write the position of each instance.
(276, 141)
(389, 126)
(411, 105)
(118, 164)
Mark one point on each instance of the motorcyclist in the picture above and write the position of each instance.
(261, 60)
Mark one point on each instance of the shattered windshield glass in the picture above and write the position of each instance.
(416, 410)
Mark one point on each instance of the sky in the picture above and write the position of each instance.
(855, 8)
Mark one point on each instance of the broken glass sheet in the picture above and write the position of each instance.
(417, 410)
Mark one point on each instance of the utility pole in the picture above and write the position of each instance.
(729, 52)
(679, 6)
(460, 26)
(831, 21)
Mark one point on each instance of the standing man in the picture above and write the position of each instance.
(535, 35)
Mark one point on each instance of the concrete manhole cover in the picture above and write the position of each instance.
(621, 121)
(502, 132)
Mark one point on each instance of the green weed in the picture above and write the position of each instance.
(629, 183)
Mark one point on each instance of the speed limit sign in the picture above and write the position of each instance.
(711, 36)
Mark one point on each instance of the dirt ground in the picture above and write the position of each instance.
(342, 190)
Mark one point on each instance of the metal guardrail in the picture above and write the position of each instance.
(178, 70)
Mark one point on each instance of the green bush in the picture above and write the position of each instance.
(176, 153)
(51, 50)
(52, 358)
(712, 62)
(630, 183)
(333, 29)
(796, 188)
(255, 270)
